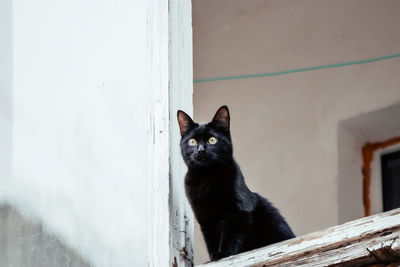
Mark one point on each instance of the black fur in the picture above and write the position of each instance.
(232, 218)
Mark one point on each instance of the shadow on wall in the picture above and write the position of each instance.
(353, 134)
(24, 242)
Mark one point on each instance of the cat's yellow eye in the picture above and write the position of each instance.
(213, 140)
(192, 142)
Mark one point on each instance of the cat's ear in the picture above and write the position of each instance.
(222, 117)
(185, 122)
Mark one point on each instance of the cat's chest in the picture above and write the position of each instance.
(209, 197)
(201, 190)
(198, 188)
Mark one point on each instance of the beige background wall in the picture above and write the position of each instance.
(285, 128)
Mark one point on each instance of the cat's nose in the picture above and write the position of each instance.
(201, 149)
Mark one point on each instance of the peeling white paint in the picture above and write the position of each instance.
(339, 244)
(181, 89)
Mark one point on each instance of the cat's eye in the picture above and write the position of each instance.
(192, 142)
(213, 140)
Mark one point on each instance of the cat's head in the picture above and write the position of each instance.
(206, 144)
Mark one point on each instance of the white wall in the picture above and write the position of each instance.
(5, 88)
(285, 128)
(90, 125)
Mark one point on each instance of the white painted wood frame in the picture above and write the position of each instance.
(181, 92)
(171, 35)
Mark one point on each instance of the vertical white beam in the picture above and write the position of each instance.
(157, 52)
(181, 91)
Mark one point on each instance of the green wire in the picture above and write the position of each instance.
(295, 70)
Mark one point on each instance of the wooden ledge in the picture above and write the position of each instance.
(373, 240)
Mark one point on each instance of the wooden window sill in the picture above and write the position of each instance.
(370, 241)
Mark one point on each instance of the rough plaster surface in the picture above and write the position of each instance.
(285, 128)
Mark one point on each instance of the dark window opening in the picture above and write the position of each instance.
(391, 180)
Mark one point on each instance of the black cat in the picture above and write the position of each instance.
(232, 218)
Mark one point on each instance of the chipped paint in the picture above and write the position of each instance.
(180, 97)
